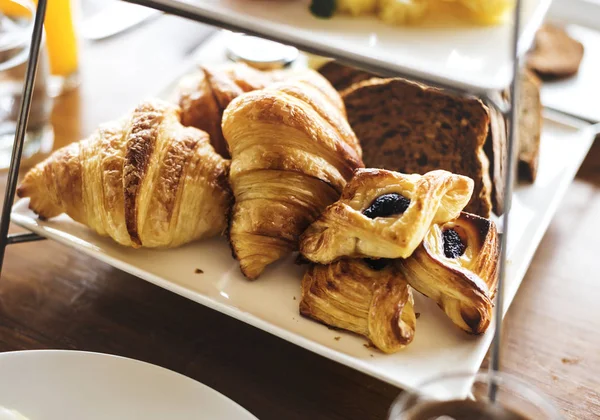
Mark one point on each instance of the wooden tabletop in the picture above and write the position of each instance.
(52, 297)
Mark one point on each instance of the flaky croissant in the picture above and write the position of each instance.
(204, 95)
(292, 153)
(144, 180)
(384, 214)
(366, 299)
(456, 267)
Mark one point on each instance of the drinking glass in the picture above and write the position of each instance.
(62, 45)
(465, 397)
(15, 38)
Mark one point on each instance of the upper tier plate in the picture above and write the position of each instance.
(467, 57)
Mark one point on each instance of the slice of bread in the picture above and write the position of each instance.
(528, 137)
(410, 128)
(342, 76)
(530, 126)
(555, 54)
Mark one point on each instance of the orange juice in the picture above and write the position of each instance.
(61, 41)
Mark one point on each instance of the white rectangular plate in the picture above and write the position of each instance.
(470, 57)
(271, 303)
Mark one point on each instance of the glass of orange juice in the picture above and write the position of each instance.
(62, 46)
(61, 43)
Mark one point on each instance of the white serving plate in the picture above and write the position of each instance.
(468, 57)
(73, 385)
(271, 303)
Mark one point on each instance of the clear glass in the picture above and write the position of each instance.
(16, 24)
(465, 396)
(63, 46)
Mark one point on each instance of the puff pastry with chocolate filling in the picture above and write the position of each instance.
(384, 214)
(358, 296)
(292, 153)
(456, 267)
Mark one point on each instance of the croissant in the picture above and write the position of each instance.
(456, 267)
(144, 180)
(366, 299)
(292, 153)
(384, 214)
(204, 95)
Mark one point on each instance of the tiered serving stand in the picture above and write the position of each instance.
(424, 54)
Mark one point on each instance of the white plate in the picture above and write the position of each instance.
(271, 303)
(72, 385)
(469, 57)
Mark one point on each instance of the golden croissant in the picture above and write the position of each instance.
(292, 153)
(144, 180)
(384, 214)
(204, 95)
(456, 267)
(363, 298)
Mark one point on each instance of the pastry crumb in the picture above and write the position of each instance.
(369, 345)
(198, 271)
(554, 377)
(570, 360)
(371, 355)
(417, 315)
(337, 338)
(294, 297)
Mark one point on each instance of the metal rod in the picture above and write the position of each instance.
(20, 238)
(15, 160)
(379, 67)
(508, 193)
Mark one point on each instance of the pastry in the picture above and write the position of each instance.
(555, 54)
(292, 153)
(144, 180)
(372, 301)
(384, 214)
(203, 95)
(456, 267)
(407, 127)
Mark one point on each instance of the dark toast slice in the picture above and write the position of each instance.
(342, 77)
(555, 55)
(528, 137)
(530, 126)
(411, 128)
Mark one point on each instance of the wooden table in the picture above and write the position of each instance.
(52, 297)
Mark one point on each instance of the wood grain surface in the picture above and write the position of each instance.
(52, 297)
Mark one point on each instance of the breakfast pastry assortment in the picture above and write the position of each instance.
(383, 188)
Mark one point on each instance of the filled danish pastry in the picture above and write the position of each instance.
(384, 214)
(456, 267)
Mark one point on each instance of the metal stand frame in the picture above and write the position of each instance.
(186, 10)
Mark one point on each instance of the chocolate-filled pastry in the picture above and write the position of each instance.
(372, 300)
(456, 267)
(292, 153)
(384, 214)
(144, 180)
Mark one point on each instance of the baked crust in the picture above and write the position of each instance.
(462, 286)
(351, 295)
(203, 95)
(292, 153)
(343, 230)
(144, 180)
